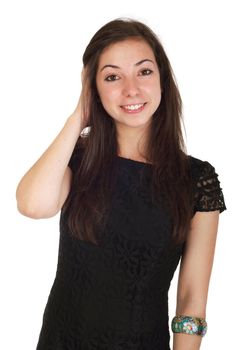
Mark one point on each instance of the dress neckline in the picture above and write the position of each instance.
(133, 161)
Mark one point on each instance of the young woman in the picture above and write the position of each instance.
(133, 203)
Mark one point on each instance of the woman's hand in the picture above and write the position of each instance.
(82, 109)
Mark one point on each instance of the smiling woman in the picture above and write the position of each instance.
(133, 204)
(128, 82)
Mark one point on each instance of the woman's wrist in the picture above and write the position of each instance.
(77, 121)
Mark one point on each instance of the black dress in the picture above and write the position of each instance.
(115, 296)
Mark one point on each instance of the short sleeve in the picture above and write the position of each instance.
(208, 194)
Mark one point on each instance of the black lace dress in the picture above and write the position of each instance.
(115, 296)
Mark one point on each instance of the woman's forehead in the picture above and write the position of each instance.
(129, 50)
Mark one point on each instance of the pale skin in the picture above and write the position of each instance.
(194, 275)
(44, 188)
(127, 76)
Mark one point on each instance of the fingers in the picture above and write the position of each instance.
(85, 94)
(85, 83)
(83, 74)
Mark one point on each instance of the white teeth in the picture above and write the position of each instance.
(133, 107)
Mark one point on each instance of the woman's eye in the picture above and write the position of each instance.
(111, 77)
(114, 77)
(146, 72)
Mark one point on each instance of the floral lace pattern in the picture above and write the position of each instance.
(208, 193)
(115, 296)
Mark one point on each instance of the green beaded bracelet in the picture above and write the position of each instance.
(189, 325)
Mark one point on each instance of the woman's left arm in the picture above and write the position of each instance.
(194, 274)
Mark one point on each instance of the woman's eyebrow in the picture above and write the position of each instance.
(117, 67)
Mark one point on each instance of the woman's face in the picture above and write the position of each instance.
(128, 83)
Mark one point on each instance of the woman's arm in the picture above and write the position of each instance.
(45, 186)
(194, 276)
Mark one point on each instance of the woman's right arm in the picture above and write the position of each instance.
(45, 186)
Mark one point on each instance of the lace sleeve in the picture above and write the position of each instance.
(208, 194)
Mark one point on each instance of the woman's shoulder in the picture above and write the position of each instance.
(196, 162)
(207, 190)
(199, 167)
(202, 171)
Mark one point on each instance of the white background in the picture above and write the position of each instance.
(42, 43)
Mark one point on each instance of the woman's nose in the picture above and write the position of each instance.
(130, 88)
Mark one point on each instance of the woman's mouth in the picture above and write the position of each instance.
(133, 108)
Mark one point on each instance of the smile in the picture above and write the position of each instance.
(133, 107)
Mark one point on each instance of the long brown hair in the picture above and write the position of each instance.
(93, 183)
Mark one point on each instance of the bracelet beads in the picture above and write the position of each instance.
(189, 325)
